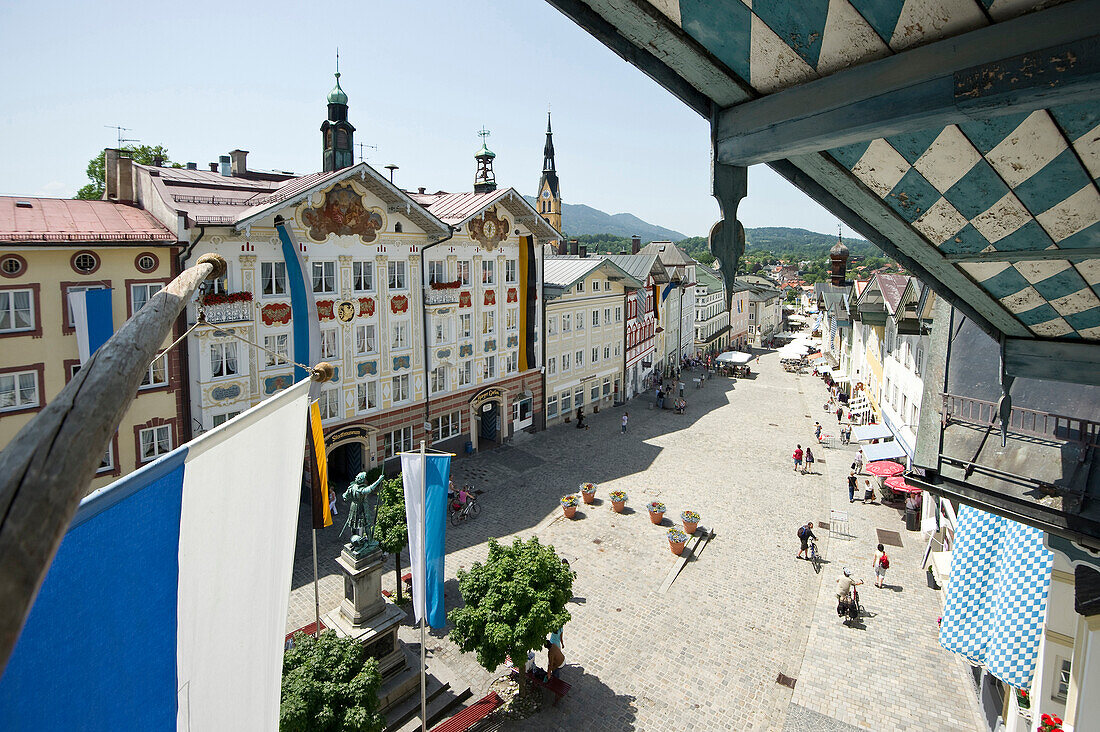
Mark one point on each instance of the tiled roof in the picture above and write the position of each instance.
(892, 286)
(65, 219)
(455, 208)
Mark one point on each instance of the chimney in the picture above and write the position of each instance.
(563, 247)
(158, 161)
(635, 244)
(420, 190)
(192, 166)
(125, 179)
(583, 250)
(573, 246)
(213, 167)
(223, 165)
(240, 166)
(110, 168)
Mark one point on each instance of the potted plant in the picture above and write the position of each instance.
(569, 505)
(676, 541)
(656, 511)
(618, 499)
(691, 521)
(588, 492)
(1050, 723)
(1023, 699)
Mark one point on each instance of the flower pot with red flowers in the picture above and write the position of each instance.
(656, 511)
(588, 492)
(1023, 699)
(569, 505)
(691, 521)
(676, 541)
(1050, 723)
(618, 500)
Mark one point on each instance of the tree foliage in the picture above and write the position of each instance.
(390, 528)
(512, 602)
(329, 685)
(96, 170)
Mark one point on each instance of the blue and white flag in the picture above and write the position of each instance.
(92, 320)
(668, 288)
(997, 595)
(426, 505)
(165, 606)
(305, 326)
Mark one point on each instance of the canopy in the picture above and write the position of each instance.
(785, 334)
(816, 356)
(735, 358)
(871, 432)
(789, 352)
(898, 483)
(883, 468)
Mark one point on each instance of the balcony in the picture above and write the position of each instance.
(233, 307)
(443, 293)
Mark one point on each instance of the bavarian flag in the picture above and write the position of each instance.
(318, 469)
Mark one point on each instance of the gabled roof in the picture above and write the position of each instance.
(669, 254)
(457, 209)
(58, 220)
(561, 273)
(706, 278)
(639, 266)
(892, 286)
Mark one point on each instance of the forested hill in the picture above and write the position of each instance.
(578, 219)
(802, 244)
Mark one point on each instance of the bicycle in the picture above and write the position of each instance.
(815, 558)
(469, 510)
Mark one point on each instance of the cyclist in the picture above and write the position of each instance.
(460, 499)
(805, 533)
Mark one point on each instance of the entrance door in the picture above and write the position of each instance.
(344, 463)
(489, 420)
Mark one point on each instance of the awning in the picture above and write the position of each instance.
(871, 432)
(735, 358)
(898, 483)
(882, 451)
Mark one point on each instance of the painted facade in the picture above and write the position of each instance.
(713, 331)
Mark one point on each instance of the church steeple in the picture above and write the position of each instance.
(549, 202)
(337, 134)
(485, 180)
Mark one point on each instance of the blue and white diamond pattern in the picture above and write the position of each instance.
(997, 595)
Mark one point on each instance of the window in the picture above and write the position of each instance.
(366, 396)
(324, 277)
(108, 461)
(595, 285)
(13, 265)
(511, 363)
(595, 318)
(578, 397)
(441, 331)
(511, 319)
(565, 362)
(362, 276)
(142, 293)
(399, 441)
(487, 272)
(551, 325)
(489, 368)
(580, 287)
(18, 390)
(606, 352)
(904, 406)
(464, 271)
(566, 402)
(155, 441)
(447, 426)
(752, 315)
(219, 419)
(400, 339)
(17, 310)
(223, 359)
(396, 271)
(465, 375)
(69, 310)
(400, 388)
(439, 379)
(437, 271)
(1061, 681)
(488, 323)
(551, 365)
(330, 343)
(510, 271)
(616, 384)
(580, 320)
(85, 262)
(606, 316)
(552, 407)
(566, 323)
(594, 394)
(465, 325)
(607, 386)
(918, 362)
(595, 355)
(219, 286)
(578, 358)
(273, 278)
(156, 374)
(618, 314)
(365, 340)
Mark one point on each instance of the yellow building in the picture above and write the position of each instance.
(50, 248)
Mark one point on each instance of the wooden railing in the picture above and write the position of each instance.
(1031, 422)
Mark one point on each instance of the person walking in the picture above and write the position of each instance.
(797, 457)
(626, 417)
(839, 412)
(881, 563)
(681, 385)
(852, 486)
(660, 398)
(817, 431)
(809, 461)
(805, 533)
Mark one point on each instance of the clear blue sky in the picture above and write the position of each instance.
(203, 78)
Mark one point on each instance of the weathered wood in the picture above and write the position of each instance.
(1028, 255)
(46, 469)
(1076, 362)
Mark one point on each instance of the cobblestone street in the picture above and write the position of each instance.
(705, 655)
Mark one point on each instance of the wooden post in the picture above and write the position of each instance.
(46, 469)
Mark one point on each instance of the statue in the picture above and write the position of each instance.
(363, 512)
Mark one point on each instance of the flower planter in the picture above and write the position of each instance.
(588, 492)
(569, 505)
(656, 512)
(655, 517)
(691, 521)
(618, 500)
(617, 506)
(569, 511)
(676, 541)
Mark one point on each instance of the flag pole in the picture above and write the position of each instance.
(424, 586)
(316, 592)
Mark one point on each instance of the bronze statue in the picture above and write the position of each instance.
(362, 513)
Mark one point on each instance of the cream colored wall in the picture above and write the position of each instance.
(49, 267)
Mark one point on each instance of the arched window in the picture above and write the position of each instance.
(397, 227)
(341, 139)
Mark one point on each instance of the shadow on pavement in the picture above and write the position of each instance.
(590, 704)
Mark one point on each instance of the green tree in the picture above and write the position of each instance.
(390, 528)
(512, 602)
(144, 154)
(329, 685)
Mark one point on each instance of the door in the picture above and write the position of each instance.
(490, 415)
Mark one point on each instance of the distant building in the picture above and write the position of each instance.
(712, 318)
(641, 318)
(765, 307)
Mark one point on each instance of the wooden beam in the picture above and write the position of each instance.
(1027, 63)
(1028, 255)
(46, 469)
(1033, 358)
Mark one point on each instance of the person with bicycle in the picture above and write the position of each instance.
(844, 588)
(805, 533)
(460, 499)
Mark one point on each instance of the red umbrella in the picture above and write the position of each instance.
(898, 483)
(885, 468)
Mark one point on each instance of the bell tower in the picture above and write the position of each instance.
(549, 196)
(485, 180)
(838, 261)
(336, 132)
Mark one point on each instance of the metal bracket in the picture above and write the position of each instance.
(1004, 404)
(730, 183)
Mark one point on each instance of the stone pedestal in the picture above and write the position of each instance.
(364, 615)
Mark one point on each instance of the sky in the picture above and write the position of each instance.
(203, 78)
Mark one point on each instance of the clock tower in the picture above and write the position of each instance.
(549, 201)
(485, 180)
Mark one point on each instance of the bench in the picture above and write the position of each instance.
(471, 715)
(558, 687)
(310, 629)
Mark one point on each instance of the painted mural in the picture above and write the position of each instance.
(276, 312)
(366, 306)
(489, 231)
(324, 310)
(399, 304)
(342, 213)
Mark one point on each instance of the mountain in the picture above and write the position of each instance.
(577, 219)
(783, 242)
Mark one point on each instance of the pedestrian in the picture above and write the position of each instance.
(681, 385)
(857, 464)
(881, 563)
(626, 416)
(809, 460)
(817, 431)
(839, 411)
(797, 457)
(580, 419)
(868, 491)
(852, 487)
(805, 533)
(555, 659)
(660, 398)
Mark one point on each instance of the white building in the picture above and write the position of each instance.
(712, 319)
(676, 306)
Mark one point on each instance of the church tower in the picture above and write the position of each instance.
(336, 131)
(838, 261)
(549, 196)
(485, 180)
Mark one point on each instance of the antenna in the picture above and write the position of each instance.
(119, 129)
(360, 145)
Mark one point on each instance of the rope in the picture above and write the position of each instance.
(278, 356)
(177, 341)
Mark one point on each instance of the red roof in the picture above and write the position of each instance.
(64, 219)
(454, 208)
